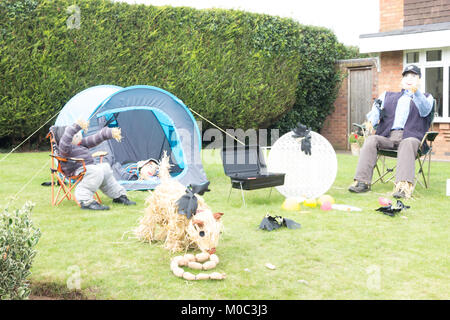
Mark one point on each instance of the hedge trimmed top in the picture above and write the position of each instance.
(240, 70)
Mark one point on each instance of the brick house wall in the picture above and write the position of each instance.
(335, 126)
(391, 68)
(391, 63)
(418, 12)
(441, 145)
(391, 15)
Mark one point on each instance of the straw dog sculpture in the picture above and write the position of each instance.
(183, 229)
(163, 222)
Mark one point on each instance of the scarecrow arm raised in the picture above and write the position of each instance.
(96, 139)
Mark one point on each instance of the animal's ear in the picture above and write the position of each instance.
(217, 215)
(198, 222)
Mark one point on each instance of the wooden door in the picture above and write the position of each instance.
(360, 95)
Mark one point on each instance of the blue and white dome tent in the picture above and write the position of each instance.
(83, 104)
(152, 121)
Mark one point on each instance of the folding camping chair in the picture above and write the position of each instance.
(386, 173)
(246, 167)
(66, 183)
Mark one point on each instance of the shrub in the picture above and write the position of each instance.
(238, 69)
(18, 237)
(318, 80)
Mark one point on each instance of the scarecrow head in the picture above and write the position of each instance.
(411, 78)
(148, 168)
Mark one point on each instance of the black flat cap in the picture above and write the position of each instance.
(412, 68)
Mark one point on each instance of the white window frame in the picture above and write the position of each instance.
(445, 64)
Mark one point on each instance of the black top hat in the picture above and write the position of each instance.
(412, 68)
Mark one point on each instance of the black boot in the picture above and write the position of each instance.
(359, 187)
(94, 205)
(123, 199)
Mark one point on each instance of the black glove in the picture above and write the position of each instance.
(300, 131)
(291, 224)
(188, 203)
(200, 188)
(391, 210)
(378, 104)
(306, 145)
(270, 223)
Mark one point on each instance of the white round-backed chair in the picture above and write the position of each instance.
(307, 176)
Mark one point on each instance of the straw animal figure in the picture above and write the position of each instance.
(162, 222)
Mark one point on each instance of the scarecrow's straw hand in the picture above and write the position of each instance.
(368, 127)
(117, 134)
(83, 124)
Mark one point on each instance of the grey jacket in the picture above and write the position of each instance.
(67, 149)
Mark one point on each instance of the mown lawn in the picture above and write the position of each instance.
(334, 255)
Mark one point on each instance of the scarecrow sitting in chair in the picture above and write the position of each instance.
(97, 176)
(401, 120)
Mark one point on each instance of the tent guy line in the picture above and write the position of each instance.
(13, 198)
(14, 149)
(198, 114)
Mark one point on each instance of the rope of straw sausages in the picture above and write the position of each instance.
(201, 261)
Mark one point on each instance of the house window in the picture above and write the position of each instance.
(412, 57)
(435, 66)
(434, 85)
(434, 55)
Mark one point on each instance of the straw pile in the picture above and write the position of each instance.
(162, 222)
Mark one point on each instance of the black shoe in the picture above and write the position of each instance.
(359, 187)
(123, 199)
(94, 206)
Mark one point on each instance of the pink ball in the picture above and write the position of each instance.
(384, 201)
(326, 205)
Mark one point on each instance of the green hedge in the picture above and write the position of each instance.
(238, 69)
(317, 82)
